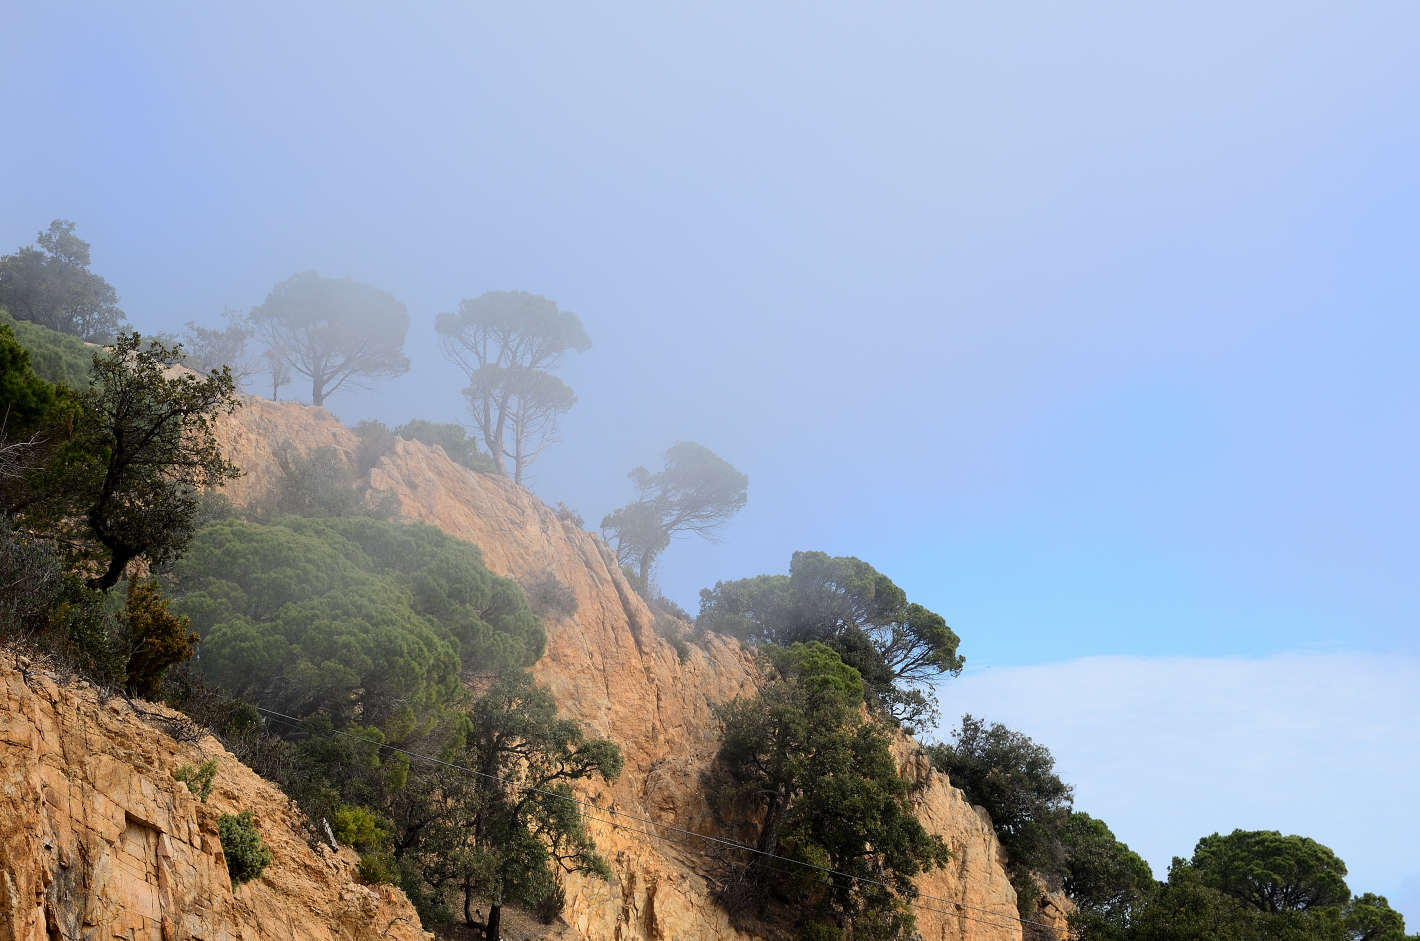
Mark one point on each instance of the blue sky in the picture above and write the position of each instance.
(1095, 327)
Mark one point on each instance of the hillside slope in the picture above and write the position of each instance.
(98, 840)
(606, 667)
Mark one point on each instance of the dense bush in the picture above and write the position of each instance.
(56, 357)
(157, 639)
(350, 616)
(456, 443)
(320, 483)
(1014, 779)
(246, 855)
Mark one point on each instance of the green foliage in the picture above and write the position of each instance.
(358, 827)
(56, 357)
(505, 342)
(1250, 886)
(246, 856)
(379, 868)
(350, 616)
(157, 638)
(54, 612)
(568, 515)
(50, 283)
(321, 484)
(198, 780)
(375, 441)
(824, 784)
(697, 492)
(897, 646)
(27, 402)
(669, 630)
(1015, 780)
(460, 448)
(1369, 917)
(504, 834)
(127, 484)
(525, 822)
(1271, 872)
(336, 333)
(1108, 882)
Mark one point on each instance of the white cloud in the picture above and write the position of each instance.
(1169, 750)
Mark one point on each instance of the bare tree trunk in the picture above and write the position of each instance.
(317, 390)
(495, 919)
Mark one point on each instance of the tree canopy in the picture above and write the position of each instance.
(208, 348)
(1249, 886)
(337, 333)
(350, 616)
(1014, 778)
(1107, 881)
(1271, 872)
(823, 784)
(697, 492)
(524, 827)
(50, 283)
(897, 646)
(506, 342)
(127, 481)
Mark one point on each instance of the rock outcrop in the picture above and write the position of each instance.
(607, 668)
(98, 840)
(97, 837)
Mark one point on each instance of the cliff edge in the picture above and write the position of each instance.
(606, 667)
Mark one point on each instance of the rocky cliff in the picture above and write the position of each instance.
(607, 667)
(98, 840)
(97, 835)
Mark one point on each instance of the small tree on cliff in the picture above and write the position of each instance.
(522, 826)
(127, 483)
(897, 646)
(506, 341)
(1014, 779)
(826, 788)
(334, 332)
(698, 492)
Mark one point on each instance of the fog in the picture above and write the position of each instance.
(1094, 328)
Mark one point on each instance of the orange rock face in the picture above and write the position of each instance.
(607, 668)
(98, 840)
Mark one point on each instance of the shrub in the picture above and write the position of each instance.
(667, 628)
(378, 868)
(551, 598)
(568, 515)
(320, 484)
(358, 827)
(198, 780)
(246, 855)
(460, 448)
(552, 904)
(375, 442)
(159, 639)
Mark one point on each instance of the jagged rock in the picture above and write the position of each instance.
(98, 840)
(606, 667)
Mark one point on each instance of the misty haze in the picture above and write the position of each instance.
(736, 472)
